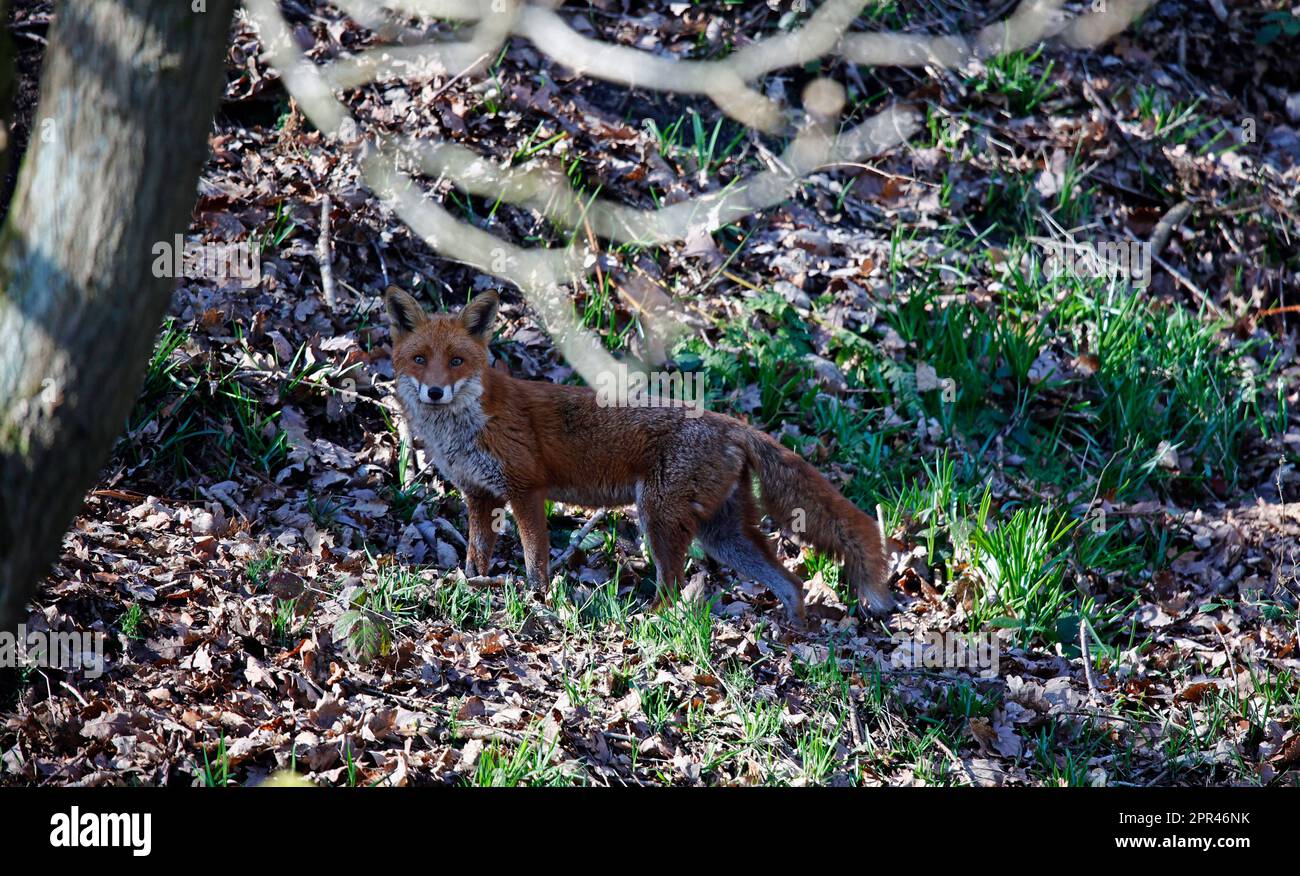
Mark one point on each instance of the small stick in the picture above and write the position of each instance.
(1087, 659)
(325, 255)
(76, 693)
(1232, 664)
(1183, 281)
(453, 80)
(407, 441)
(855, 728)
(1165, 227)
(957, 761)
(579, 536)
(488, 581)
(487, 734)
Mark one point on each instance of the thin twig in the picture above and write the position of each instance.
(961, 764)
(325, 255)
(453, 80)
(1232, 664)
(1086, 653)
(76, 693)
(488, 580)
(1274, 311)
(578, 536)
(1168, 222)
(1177, 275)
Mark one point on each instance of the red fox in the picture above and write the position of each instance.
(501, 440)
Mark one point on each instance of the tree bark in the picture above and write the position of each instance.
(127, 96)
(6, 91)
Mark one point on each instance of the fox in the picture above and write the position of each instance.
(504, 441)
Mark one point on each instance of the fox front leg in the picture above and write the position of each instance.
(530, 516)
(486, 516)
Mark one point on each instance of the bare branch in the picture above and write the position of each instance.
(541, 273)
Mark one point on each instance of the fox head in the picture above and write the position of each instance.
(439, 356)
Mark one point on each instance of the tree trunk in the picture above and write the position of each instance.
(127, 96)
(6, 92)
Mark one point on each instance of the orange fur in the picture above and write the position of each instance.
(502, 440)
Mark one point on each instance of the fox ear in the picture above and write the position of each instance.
(404, 312)
(478, 315)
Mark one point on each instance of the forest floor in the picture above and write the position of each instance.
(1098, 478)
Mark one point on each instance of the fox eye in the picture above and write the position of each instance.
(456, 361)
(420, 360)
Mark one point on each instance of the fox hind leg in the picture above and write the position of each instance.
(668, 533)
(691, 481)
(732, 537)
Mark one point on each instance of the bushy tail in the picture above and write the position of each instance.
(808, 506)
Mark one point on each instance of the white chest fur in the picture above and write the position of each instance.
(450, 434)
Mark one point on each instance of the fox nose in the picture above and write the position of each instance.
(433, 393)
